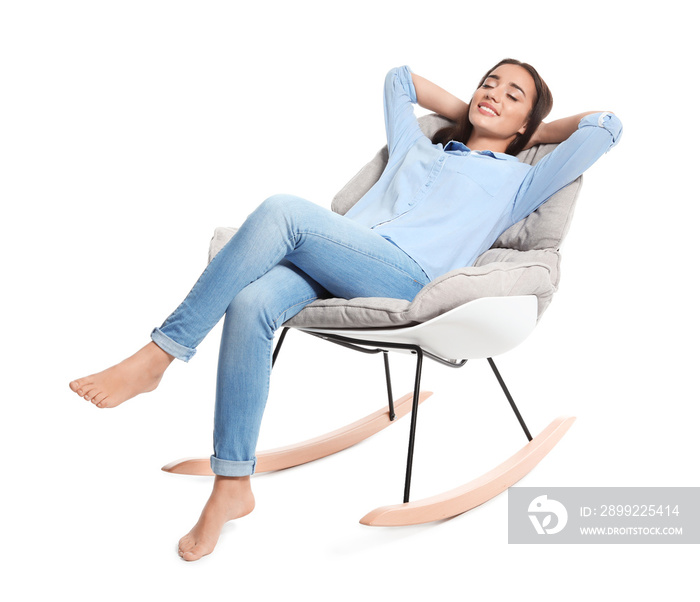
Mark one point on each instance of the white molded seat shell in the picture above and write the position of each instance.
(482, 328)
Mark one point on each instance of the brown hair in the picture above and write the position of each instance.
(462, 130)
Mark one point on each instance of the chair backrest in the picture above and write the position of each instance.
(537, 237)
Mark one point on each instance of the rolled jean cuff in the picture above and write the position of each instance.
(169, 346)
(231, 468)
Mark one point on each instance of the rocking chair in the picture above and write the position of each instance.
(469, 313)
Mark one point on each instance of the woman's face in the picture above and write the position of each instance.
(501, 105)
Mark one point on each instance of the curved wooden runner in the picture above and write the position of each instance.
(312, 449)
(476, 492)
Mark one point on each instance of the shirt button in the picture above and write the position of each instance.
(601, 119)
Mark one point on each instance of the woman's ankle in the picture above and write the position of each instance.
(159, 355)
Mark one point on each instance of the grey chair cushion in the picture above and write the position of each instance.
(523, 261)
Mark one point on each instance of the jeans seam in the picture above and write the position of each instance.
(361, 252)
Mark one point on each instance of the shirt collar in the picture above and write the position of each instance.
(457, 148)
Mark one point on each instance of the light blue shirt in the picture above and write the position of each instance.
(445, 206)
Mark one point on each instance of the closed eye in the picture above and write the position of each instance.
(509, 95)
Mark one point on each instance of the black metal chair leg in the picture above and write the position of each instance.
(414, 419)
(510, 399)
(279, 345)
(392, 414)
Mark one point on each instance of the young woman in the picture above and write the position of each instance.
(438, 205)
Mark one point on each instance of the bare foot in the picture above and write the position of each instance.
(137, 374)
(231, 498)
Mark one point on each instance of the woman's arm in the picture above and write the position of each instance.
(557, 131)
(434, 98)
(595, 135)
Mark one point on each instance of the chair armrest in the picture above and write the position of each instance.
(549, 257)
(498, 279)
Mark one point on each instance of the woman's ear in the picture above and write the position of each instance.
(524, 128)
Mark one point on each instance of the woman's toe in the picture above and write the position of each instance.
(194, 554)
(185, 545)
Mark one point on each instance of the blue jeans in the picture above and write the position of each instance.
(286, 254)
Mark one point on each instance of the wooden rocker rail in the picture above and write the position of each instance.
(438, 507)
(312, 449)
(476, 492)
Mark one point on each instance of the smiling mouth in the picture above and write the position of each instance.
(486, 110)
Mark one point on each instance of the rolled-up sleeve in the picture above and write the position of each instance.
(597, 133)
(402, 129)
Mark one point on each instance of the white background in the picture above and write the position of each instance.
(130, 129)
